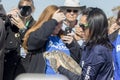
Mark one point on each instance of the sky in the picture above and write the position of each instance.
(106, 5)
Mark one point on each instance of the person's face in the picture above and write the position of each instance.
(71, 14)
(113, 28)
(25, 9)
(57, 28)
(83, 24)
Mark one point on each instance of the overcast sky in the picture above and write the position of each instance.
(106, 5)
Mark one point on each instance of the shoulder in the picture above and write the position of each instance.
(100, 48)
(102, 51)
(100, 54)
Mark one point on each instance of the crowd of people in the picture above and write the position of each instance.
(93, 41)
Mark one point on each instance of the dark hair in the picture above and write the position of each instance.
(118, 17)
(98, 27)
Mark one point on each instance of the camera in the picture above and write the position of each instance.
(68, 30)
(5, 18)
(25, 10)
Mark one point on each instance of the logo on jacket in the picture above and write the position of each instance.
(17, 35)
(117, 48)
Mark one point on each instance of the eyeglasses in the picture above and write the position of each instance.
(70, 10)
(83, 26)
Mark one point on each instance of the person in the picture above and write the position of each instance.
(44, 36)
(112, 24)
(20, 20)
(72, 9)
(96, 60)
(116, 52)
(2, 39)
(114, 37)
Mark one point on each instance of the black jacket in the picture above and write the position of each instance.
(34, 62)
(2, 45)
(2, 41)
(12, 66)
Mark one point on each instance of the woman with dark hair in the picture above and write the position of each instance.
(96, 60)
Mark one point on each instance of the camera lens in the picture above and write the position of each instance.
(25, 10)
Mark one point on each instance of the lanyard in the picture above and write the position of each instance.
(27, 24)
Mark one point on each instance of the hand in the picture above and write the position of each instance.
(15, 19)
(113, 28)
(68, 39)
(79, 33)
(59, 16)
(13, 11)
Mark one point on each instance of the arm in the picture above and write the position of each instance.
(70, 75)
(73, 46)
(75, 51)
(92, 65)
(83, 76)
(38, 38)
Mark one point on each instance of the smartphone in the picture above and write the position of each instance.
(68, 30)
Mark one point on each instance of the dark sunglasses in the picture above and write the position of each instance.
(70, 10)
(83, 26)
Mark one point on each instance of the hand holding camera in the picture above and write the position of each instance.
(15, 18)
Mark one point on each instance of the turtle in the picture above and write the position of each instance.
(66, 61)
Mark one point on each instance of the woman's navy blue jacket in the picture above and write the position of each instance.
(96, 64)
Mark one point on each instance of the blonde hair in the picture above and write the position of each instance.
(111, 21)
(45, 16)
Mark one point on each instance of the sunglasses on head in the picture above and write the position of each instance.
(83, 26)
(70, 10)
